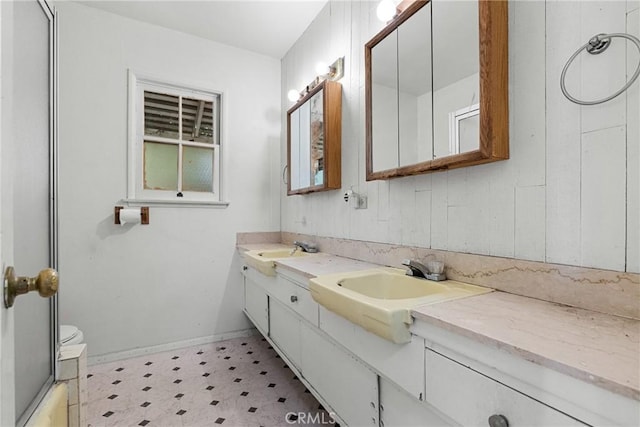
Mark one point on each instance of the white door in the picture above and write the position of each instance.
(29, 328)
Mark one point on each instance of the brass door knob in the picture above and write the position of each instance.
(46, 283)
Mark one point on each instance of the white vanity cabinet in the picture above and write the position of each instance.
(471, 398)
(439, 378)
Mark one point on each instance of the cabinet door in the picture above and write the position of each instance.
(470, 398)
(399, 408)
(348, 386)
(285, 331)
(256, 305)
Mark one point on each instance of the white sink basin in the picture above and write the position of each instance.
(392, 286)
(265, 261)
(380, 300)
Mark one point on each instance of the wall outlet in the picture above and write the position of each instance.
(355, 200)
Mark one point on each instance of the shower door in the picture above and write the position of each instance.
(32, 169)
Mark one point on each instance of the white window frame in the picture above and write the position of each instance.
(136, 193)
(455, 117)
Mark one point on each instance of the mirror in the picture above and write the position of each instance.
(427, 107)
(313, 140)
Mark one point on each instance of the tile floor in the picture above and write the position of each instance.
(239, 382)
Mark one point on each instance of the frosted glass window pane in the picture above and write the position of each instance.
(197, 169)
(161, 115)
(160, 166)
(197, 121)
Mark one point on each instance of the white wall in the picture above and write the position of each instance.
(570, 191)
(177, 278)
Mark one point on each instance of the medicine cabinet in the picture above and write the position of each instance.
(436, 87)
(314, 132)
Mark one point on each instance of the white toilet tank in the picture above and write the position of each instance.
(70, 335)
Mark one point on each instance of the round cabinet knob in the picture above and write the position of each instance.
(497, 420)
(245, 268)
(294, 298)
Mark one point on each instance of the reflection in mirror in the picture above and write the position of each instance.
(384, 111)
(294, 149)
(300, 147)
(317, 139)
(464, 129)
(456, 78)
(414, 88)
(304, 178)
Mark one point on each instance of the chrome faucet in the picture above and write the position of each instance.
(306, 246)
(434, 272)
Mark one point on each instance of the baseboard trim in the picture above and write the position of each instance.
(127, 354)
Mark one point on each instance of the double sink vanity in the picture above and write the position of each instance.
(379, 347)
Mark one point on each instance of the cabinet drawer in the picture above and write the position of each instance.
(398, 408)
(265, 282)
(296, 298)
(470, 398)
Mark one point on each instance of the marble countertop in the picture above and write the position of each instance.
(597, 348)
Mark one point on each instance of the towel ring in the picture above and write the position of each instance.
(596, 45)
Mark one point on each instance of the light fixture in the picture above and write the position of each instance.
(293, 95)
(333, 72)
(322, 68)
(386, 10)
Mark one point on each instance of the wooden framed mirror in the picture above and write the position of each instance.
(437, 88)
(314, 132)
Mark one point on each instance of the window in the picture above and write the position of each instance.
(174, 143)
(464, 129)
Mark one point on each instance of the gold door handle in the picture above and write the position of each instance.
(46, 283)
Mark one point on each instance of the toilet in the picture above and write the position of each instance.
(70, 335)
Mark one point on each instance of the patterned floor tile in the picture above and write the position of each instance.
(239, 382)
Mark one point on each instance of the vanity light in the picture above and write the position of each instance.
(293, 95)
(333, 72)
(386, 10)
(322, 68)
